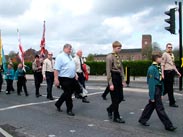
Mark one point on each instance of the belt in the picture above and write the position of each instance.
(49, 72)
(169, 70)
(116, 73)
(80, 72)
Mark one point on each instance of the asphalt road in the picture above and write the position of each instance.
(22, 116)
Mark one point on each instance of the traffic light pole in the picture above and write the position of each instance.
(180, 43)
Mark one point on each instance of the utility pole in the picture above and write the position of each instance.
(180, 43)
(171, 29)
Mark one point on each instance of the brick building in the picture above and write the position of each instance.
(132, 54)
(29, 55)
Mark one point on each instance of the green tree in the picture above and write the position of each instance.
(90, 57)
(176, 53)
(12, 54)
(156, 46)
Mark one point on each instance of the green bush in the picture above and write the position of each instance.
(97, 68)
(137, 68)
(28, 64)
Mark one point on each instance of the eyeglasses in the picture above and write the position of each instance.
(170, 47)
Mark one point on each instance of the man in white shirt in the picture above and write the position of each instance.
(80, 72)
(48, 74)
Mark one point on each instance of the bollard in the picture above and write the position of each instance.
(127, 75)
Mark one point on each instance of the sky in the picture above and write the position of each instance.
(89, 25)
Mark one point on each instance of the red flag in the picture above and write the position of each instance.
(42, 44)
(21, 52)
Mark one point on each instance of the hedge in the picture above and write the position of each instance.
(28, 64)
(137, 68)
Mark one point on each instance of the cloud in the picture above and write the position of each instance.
(90, 25)
(13, 8)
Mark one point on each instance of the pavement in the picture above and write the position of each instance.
(98, 78)
(136, 82)
(22, 116)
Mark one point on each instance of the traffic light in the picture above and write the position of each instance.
(171, 20)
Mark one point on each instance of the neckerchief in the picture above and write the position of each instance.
(172, 56)
(117, 60)
(38, 63)
(159, 69)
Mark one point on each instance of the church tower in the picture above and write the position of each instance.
(146, 41)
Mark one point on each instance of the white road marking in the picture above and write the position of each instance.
(72, 131)
(95, 93)
(6, 134)
(23, 105)
(139, 90)
(51, 136)
(131, 113)
(90, 125)
(90, 94)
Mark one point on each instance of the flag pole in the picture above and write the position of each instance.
(42, 44)
(21, 52)
(0, 49)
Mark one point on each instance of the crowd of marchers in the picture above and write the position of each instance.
(71, 73)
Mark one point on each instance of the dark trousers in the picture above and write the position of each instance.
(116, 95)
(81, 79)
(49, 81)
(38, 79)
(1, 81)
(69, 85)
(106, 91)
(158, 105)
(21, 83)
(9, 83)
(168, 85)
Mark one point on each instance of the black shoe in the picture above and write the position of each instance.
(171, 128)
(144, 123)
(78, 96)
(104, 98)
(174, 105)
(58, 108)
(84, 100)
(7, 92)
(38, 95)
(70, 113)
(51, 98)
(27, 94)
(118, 120)
(109, 114)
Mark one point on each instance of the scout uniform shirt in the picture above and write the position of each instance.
(154, 79)
(113, 64)
(168, 61)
